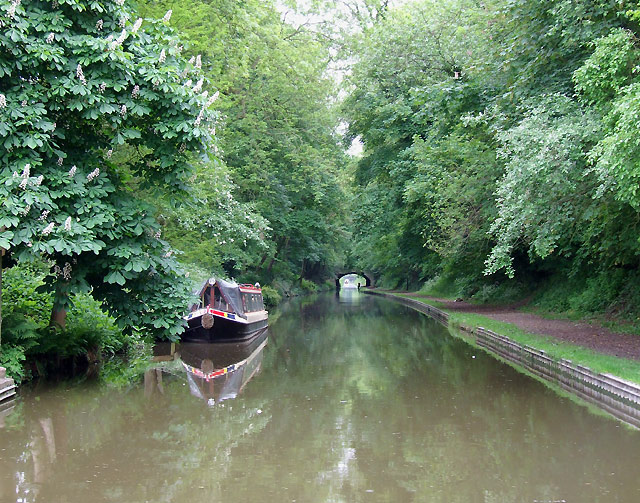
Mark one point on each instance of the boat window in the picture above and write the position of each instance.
(206, 297)
(219, 303)
(246, 300)
(252, 302)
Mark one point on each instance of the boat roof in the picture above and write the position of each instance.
(231, 292)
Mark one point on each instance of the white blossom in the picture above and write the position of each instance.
(188, 83)
(72, 171)
(122, 22)
(135, 92)
(198, 61)
(60, 161)
(99, 25)
(109, 153)
(3, 101)
(80, 74)
(199, 118)
(123, 110)
(102, 86)
(26, 170)
(23, 103)
(120, 2)
(137, 25)
(12, 8)
(163, 56)
(192, 59)
(119, 40)
(44, 215)
(198, 86)
(167, 16)
(51, 37)
(93, 174)
(213, 98)
(38, 181)
(47, 230)
(67, 224)
(26, 210)
(158, 234)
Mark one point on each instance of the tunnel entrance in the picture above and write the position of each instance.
(367, 276)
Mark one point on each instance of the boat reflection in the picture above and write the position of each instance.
(216, 371)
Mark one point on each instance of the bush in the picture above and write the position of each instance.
(308, 286)
(12, 358)
(25, 331)
(271, 296)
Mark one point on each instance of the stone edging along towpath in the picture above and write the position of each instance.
(610, 393)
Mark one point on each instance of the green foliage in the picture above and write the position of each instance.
(308, 286)
(608, 69)
(271, 296)
(279, 142)
(80, 80)
(546, 193)
(26, 310)
(212, 228)
(12, 358)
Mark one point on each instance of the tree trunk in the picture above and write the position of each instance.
(58, 318)
(59, 311)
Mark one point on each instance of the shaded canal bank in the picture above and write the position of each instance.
(358, 399)
(609, 392)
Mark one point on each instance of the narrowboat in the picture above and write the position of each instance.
(226, 311)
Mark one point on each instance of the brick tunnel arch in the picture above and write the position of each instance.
(367, 276)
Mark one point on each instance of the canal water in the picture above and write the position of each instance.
(349, 398)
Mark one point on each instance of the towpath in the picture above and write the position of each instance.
(590, 335)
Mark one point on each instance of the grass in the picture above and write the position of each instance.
(601, 363)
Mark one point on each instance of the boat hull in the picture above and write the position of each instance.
(222, 329)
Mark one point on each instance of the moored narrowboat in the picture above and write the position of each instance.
(226, 311)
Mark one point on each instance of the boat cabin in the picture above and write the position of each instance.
(230, 298)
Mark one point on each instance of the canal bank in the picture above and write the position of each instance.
(611, 393)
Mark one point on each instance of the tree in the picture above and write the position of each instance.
(79, 80)
(546, 195)
(279, 138)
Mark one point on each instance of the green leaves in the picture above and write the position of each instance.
(81, 88)
(547, 188)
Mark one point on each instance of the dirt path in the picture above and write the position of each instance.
(592, 336)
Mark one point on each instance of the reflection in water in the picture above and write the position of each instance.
(375, 404)
(349, 296)
(215, 371)
(219, 371)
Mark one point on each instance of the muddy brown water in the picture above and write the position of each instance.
(352, 398)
